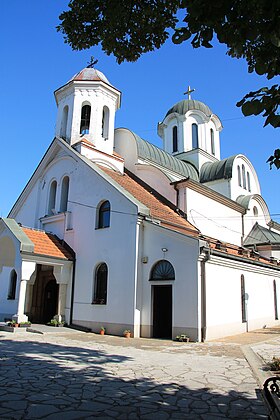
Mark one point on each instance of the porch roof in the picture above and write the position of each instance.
(48, 244)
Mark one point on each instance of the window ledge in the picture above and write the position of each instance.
(54, 217)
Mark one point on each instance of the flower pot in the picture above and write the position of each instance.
(102, 332)
(127, 335)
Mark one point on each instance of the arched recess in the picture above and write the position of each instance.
(100, 284)
(212, 140)
(175, 139)
(12, 286)
(64, 121)
(103, 214)
(105, 122)
(162, 271)
(85, 118)
(52, 198)
(194, 136)
(64, 194)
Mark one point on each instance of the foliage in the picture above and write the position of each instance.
(275, 364)
(182, 337)
(55, 323)
(250, 30)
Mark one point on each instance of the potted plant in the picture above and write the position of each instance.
(14, 324)
(102, 330)
(183, 338)
(25, 324)
(55, 323)
(127, 333)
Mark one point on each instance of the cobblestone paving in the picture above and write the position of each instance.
(81, 376)
(266, 351)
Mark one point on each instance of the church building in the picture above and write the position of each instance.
(113, 231)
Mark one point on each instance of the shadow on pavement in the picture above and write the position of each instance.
(53, 381)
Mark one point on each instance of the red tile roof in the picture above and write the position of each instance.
(158, 209)
(238, 251)
(47, 244)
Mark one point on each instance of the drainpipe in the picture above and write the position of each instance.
(72, 292)
(205, 256)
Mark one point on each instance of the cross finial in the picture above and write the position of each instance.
(92, 62)
(188, 92)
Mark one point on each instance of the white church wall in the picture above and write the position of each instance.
(182, 254)
(255, 213)
(10, 259)
(223, 304)
(244, 188)
(94, 246)
(212, 218)
(222, 186)
(157, 180)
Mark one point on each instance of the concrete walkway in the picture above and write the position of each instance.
(65, 374)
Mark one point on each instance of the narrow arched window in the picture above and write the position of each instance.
(64, 194)
(255, 211)
(64, 121)
(175, 139)
(239, 176)
(162, 270)
(275, 299)
(105, 122)
(243, 299)
(12, 285)
(248, 182)
(100, 285)
(194, 136)
(212, 141)
(104, 215)
(85, 119)
(52, 198)
(243, 177)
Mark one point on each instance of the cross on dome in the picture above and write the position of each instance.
(188, 92)
(92, 62)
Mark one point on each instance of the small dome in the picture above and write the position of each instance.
(90, 74)
(187, 105)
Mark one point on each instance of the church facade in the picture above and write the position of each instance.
(113, 231)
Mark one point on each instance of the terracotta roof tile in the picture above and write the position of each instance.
(47, 244)
(238, 251)
(158, 209)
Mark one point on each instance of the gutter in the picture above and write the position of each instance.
(205, 254)
(72, 292)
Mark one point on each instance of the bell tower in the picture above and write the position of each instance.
(86, 109)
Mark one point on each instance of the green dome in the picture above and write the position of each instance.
(188, 105)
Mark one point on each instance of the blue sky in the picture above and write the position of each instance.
(35, 61)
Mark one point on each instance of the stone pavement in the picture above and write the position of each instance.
(66, 374)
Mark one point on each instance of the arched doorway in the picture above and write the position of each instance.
(44, 296)
(162, 299)
(50, 301)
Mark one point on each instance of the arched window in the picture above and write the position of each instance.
(212, 141)
(85, 119)
(175, 139)
(243, 177)
(104, 215)
(64, 194)
(12, 286)
(255, 211)
(64, 121)
(243, 299)
(52, 198)
(275, 300)
(100, 285)
(162, 270)
(248, 182)
(194, 136)
(239, 176)
(105, 122)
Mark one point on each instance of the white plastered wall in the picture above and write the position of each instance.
(223, 303)
(182, 254)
